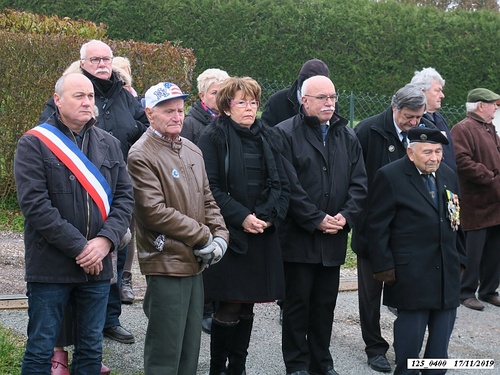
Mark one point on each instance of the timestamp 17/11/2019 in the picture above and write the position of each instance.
(450, 364)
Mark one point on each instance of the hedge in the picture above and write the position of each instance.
(32, 63)
(370, 46)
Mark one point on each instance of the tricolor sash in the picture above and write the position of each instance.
(75, 160)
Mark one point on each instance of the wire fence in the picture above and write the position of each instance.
(358, 106)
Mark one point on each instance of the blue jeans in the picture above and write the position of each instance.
(46, 304)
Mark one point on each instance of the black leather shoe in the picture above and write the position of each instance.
(494, 299)
(327, 372)
(281, 320)
(120, 334)
(206, 325)
(379, 363)
(301, 372)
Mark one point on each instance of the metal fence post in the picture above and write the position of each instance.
(351, 110)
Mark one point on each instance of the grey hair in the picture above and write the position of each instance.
(83, 50)
(209, 77)
(58, 88)
(409, 96)
(425, 77)
(471, 107)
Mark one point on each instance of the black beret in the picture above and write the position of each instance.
(311, 68)
(426, 135)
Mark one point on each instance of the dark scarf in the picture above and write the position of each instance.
(103, 86)
(267, 204)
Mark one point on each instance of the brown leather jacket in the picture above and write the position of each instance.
(173, 198)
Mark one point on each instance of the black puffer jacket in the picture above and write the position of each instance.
(195, 122)
(120, 114)
(281, 106)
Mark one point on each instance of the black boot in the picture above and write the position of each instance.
(220, 341)
(239, 347)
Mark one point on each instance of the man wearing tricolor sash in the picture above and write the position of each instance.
(121, 115)
(76, 196)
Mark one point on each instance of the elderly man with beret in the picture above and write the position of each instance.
(416, 246)
(477, 147)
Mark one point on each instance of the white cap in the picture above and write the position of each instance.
(161, 92)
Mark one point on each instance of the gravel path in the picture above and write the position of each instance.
(476, 334)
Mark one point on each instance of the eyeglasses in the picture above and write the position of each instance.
(245, 103)
(324, 98)
(97, 60)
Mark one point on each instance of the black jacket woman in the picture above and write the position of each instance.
(249, 183)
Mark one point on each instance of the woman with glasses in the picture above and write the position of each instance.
(248, 181)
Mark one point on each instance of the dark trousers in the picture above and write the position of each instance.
(409, 331)
(174, 307)
(114, 308)
(310, 296)
(369, 298)
(483, 263)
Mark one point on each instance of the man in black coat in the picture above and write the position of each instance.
(416, 246)
(286, 103)
(381, 137)
(328, 182)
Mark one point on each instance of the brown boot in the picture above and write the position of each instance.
(127, 295)
(60, 363)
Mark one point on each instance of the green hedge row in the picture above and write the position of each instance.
(370, 46)
(31, 64)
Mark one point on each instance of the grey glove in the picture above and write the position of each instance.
(212, 253)
(388, 277)
(205, 253)
(220, 249)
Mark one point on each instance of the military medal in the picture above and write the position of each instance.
(453, 213)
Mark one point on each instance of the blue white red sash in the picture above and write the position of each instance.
(75, 160)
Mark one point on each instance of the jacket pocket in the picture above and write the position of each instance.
(110, 170)
(402, 258)
(59, 178)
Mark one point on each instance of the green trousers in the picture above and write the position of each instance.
(174, 308)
